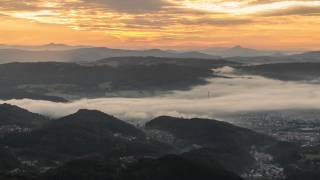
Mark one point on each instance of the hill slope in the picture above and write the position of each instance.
(78, 81)
(206, 140)
(238, 51)
(286, 71)
(84, 132)
(15, 116)
(171, 167)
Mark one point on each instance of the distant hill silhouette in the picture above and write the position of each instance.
(239, 51)
(89, 54)
(307, 57)
(45, 47)
(190, 62)
(286, 71)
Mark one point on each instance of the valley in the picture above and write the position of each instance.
(124, 118)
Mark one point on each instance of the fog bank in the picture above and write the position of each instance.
(220, 96)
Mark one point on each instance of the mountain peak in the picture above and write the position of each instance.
(154, 50)
(93, 120)
(91, 113)
(237, 47)
(55, 44)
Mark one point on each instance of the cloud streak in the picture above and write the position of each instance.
(167, 23)
(248, 7)
(130, 6)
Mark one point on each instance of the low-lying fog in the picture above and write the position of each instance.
(221, 96)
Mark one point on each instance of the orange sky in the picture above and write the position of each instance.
(176, 24)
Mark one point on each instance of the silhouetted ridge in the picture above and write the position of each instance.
(86, 54)
(14, 115)
(85, 132)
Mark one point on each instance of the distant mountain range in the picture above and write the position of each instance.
(306, 72)
(63, 53)
(215, 51)
(68, 53)
(312, 56)
(45, 47)
(148, 61)
(239, 51)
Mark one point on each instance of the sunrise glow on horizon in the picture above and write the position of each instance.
(168, 24)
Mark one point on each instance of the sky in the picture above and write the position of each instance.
(166, 24)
